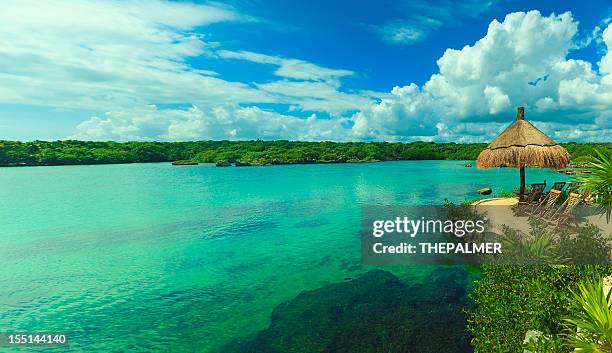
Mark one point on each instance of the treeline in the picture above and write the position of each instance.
(67, 152)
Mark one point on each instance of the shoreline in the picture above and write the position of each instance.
(247, 153)
(252, 165)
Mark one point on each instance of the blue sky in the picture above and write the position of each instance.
(316, 70)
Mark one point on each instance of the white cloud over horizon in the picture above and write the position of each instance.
(221, 122)
(133, 55)
(131, 59)
(483, 83)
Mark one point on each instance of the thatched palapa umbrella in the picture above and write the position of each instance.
(520, 145)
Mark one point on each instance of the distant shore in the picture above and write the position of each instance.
(246, 153)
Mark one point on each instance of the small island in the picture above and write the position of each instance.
(185, 162)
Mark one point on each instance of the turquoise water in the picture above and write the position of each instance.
(151, 257)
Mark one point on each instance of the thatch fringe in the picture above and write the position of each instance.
(530, 155)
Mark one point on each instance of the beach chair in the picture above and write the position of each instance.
(565, 213)
(547, 204)
(558, 185)
(534, 195)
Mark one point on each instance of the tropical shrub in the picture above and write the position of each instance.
(544, 344)
(592, 320)
(543, 245)
(536, 293)
(510, 300)
(539, 246)
(598, 178)
(588, 246)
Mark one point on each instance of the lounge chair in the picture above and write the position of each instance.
(547, 204)
(558, 185)
(565, 213)
(537, 190)
(534, 195)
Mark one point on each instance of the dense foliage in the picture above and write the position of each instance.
(514, 299)
(255, 152)
(543, 245)
(511, 300)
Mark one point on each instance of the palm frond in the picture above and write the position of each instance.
(598, 177)
(592, 322)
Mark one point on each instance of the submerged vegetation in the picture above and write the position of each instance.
(67, 152)
(375, 312)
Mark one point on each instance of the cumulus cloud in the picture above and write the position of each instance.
(130, 60)
(480, 83)
(221, 122)
(605, 65)
(496, 99)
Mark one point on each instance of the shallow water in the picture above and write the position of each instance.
(151, 257)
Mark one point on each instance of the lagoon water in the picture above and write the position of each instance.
(154, 257)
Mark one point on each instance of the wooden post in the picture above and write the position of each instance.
(520, 115)
(522, 189)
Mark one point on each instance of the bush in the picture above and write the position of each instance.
(542, 245)
(510, 300)
(588, 246)
(544, 344)
(592, 320)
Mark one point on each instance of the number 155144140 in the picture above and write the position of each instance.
(32, 339)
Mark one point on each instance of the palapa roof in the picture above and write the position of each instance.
(522, 144)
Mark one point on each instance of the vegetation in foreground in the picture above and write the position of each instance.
(548, 293)
(563, 304)
(257, 152)
(591, 325)
(512, 300)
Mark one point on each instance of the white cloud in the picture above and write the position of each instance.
(104, 54)
(605, 65)
(131, 58)
(483, 82)
(317, 96)
(221, 122)
(289, 68)
(409, 31)
(418, 19)
(112, 56)
(497, 100)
